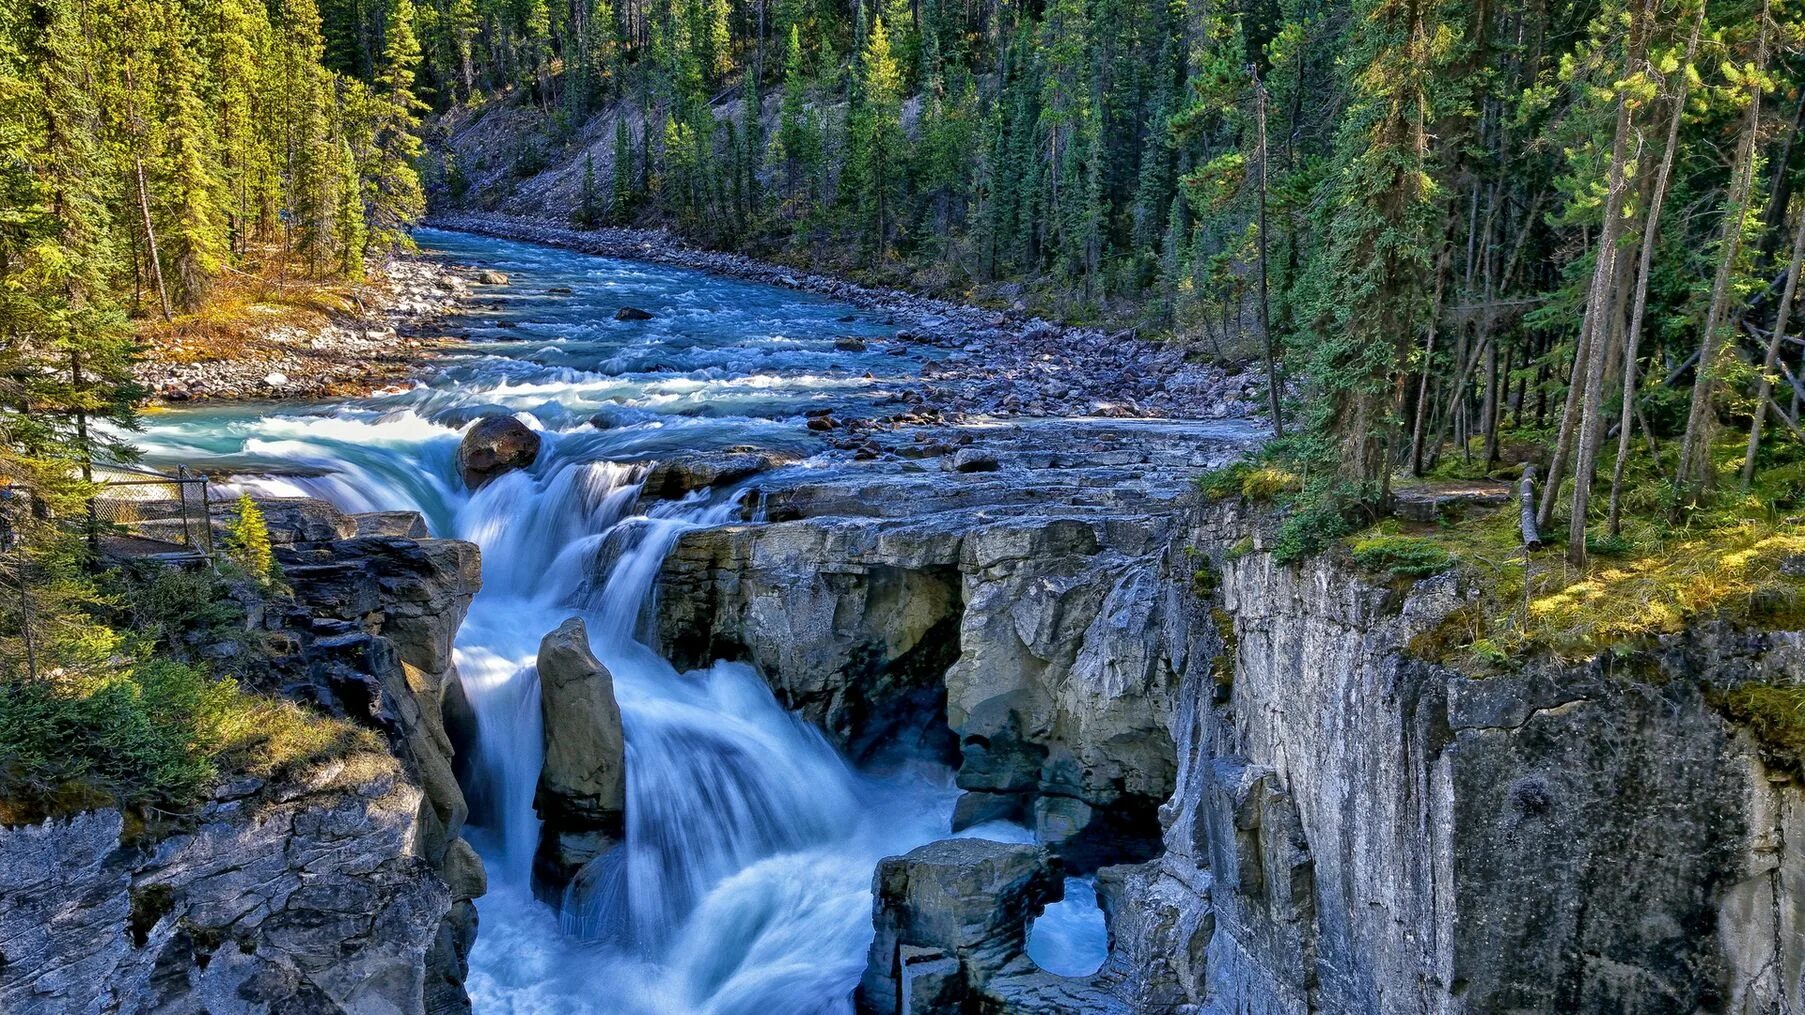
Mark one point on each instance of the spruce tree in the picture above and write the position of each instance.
(1369, 292)
(874, 160)
(197, 234)
(396, 200)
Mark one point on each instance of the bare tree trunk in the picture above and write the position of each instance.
(1694, 468)
(1650, 236)
(1764, 388)
(1591, 426)
(150, 235)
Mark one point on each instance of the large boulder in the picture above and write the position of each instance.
(582, 791)
(496, 444)
(950, 917)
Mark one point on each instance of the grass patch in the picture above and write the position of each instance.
(1257, 482)
(157, 734)
(1775, 715)
(1665, 570)
(244, 308)
(1402, 556)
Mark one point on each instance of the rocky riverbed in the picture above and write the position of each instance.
(394, 330)
(988, 362)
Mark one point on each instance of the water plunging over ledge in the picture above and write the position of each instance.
(744, 884)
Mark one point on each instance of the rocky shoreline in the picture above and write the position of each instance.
(383, 344)
(995, 363)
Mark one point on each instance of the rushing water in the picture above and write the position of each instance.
(744, 884)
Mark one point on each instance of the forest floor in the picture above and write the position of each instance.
(1736, 556)
(275, 334)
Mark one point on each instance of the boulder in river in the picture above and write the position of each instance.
(632, 314)
(951, 916)
(496, 444)
(491, 277)
(582, 792)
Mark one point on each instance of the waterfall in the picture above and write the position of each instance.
(743, 885)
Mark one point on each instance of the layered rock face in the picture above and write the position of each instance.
(1025, 611)
(345, 888)
(308, 896)
(1359, 830)
(373, 626)
(582, 793)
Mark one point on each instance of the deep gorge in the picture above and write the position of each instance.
(1039, 634)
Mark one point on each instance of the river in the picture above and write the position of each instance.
(744, 882)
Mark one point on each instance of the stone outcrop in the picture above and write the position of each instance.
(1356, 829)
(951, 921)
(369, 635)
(582, 792)
(1027, 611)
(347, 888)
(496, 444)
(307, 895)
(671, 478)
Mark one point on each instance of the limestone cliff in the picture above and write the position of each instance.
(1361, 830)
(1345, 827)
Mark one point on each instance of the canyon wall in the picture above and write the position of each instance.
(1343, 826)
(1372, 832)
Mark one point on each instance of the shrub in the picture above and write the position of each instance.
(155, 733)
(1404, 556)
(1309, 531)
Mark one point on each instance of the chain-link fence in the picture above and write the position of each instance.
(141, 512)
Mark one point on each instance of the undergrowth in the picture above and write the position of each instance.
(1665, 569)
(150, 726)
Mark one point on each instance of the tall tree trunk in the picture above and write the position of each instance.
(150, 236)
(1764, 387)
(1650, 237)
(1694, 469)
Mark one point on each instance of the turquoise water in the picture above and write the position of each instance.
(744, 884)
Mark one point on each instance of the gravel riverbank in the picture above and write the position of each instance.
(384, 342)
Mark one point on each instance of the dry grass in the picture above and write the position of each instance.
(242, 311)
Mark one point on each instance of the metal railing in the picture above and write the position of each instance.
(140, 512)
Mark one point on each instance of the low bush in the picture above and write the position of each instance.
(1404, 556)
(157, 733)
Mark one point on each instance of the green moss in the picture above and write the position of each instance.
(1775, 715)
(1403, 556)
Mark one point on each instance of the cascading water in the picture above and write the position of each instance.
(744, 883)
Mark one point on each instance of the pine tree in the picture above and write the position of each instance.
(621, 173)
(797, 146)
(1369, 280)
(248, 542)
(589, 212)
(197, 236)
